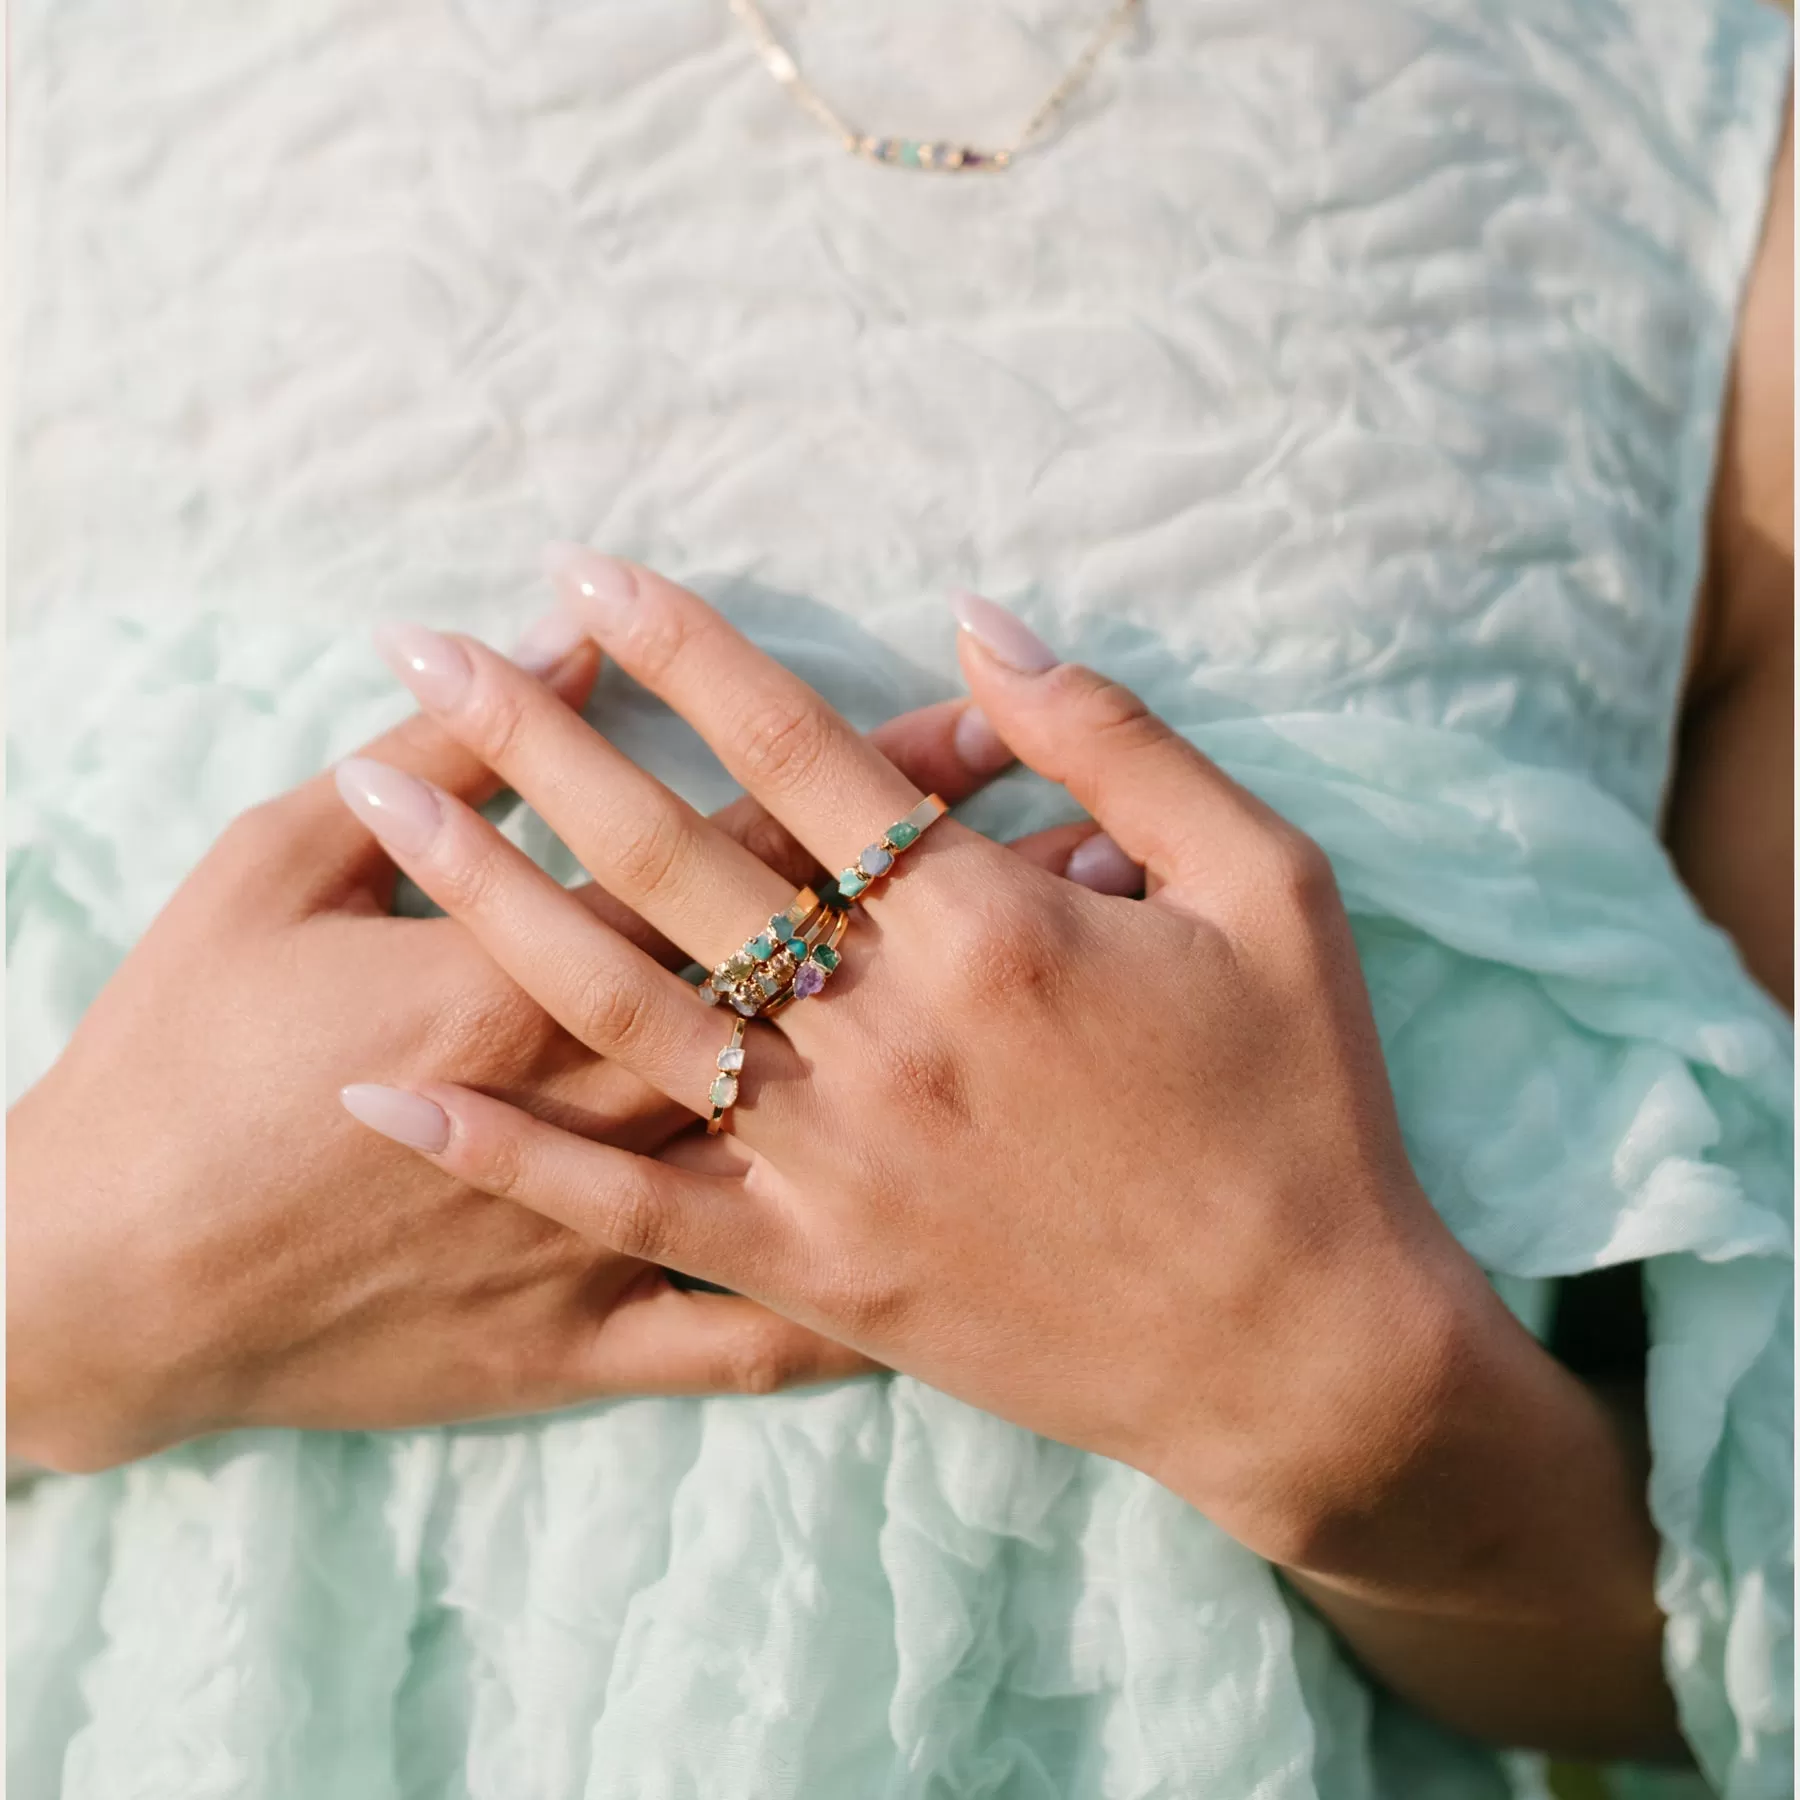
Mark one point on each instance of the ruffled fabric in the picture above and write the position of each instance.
(873, 1589)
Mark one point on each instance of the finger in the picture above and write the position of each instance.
(659, 1340)
(643, 844)
(322, 856)
(710, 1226)
(603, 991)
(948, 749)
(802, 759)
(1168, 807)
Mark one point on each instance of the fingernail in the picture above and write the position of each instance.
(1002, 635)
(549, 643)
(979, 745)
(432, 665)
(408, 1119)
(400, 809)
(1100, 864)
(598, 588)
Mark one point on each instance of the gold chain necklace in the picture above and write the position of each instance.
(918, 153)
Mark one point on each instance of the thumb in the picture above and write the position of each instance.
(1169, 807)
(324, 856)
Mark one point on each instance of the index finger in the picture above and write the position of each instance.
(801, 758)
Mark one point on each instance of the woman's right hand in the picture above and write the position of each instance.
(200, 1239)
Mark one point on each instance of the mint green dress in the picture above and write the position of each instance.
(1345, 378)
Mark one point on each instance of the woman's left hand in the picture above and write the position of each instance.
(1126, 1173)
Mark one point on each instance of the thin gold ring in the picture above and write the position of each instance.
(878, 859)
(821, 961)
(759, 973)
(724, 1091)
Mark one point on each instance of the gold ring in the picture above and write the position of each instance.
(724, 1091)
(752, 978)
(878, 858)
(820, 962)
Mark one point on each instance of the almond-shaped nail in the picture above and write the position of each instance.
(432, 665)
(1100, 864)
(599, 589)
(408, 1119)
(979, 746)
(549, 643)
(400, 809)
(1005, 637)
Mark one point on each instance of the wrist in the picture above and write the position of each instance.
(83, 1390)
(1502, 1486)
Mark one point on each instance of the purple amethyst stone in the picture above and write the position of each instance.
(808, 980)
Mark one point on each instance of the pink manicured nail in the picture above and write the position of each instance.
(432, 665)
(1004, 637)
(600, 589)
(979, 745)
(549, 643)
(400, 809)
(1100, 864)
(408, 1119)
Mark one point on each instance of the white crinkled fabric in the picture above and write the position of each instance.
(1346, 381)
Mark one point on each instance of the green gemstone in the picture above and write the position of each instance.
(762, 948)
(851, 883)
(899, 836)
(738, 966)
(909, 154)
(826, 957)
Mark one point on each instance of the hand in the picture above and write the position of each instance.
(1126, 1173)
(195, 1245)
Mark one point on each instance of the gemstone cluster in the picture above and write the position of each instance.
(751, 978)
(921, 153)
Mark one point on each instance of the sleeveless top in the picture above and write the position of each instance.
(1345, 377)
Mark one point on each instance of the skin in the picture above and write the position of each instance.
(1369, 1416)
(166, 1284)
(1516, 1606)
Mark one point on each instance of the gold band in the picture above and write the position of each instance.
(878, 859)
(724, 1091)
(752, 978)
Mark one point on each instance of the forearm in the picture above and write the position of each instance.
(1504, 1584)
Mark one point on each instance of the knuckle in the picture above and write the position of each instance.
(611, 1015)
(783, 744)
(1301, 872)
(867, 1304)
(497, 718)
(765, 1360)
(493, 1159)
(1112, 713)
(468, 875)
(637, 1221)
(1001, 953)
(658, 638)
(645, 860)
(772, 844)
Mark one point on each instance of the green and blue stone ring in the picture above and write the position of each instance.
(878, 858)
(751, 979)
(821, 960)
(724, 1091)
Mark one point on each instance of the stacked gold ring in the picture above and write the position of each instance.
(762, 972)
